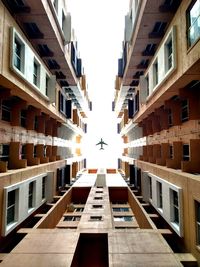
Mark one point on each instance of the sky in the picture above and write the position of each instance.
(99, 28)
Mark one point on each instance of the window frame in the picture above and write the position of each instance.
(36, 73)
(189, 26)
(159, 187)
(123, 218)
(186, 157)
(15, 205)
(20, 57)
(197, 222)
(44, 182)
(31, 195)
(175, 207)
(3, 156)
(169, 54)
(184, 109)
(155, 73)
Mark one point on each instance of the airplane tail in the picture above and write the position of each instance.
(101, 148)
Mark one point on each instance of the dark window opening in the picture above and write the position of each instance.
(23, 118)
(175, 205)
(4, 152)
(6, 110)
(95, 218)
(30, 195)
(11, 207)
(184, 110)
(197, 206)
(186, 152)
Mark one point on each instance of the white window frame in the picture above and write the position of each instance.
(173, 206)
(22, 53)
(16, 208)
(159, 195)
(168, 56)
(38, 74)
(33, 196)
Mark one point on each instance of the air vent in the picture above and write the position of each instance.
(44, 51)
(33, 31)
(158, 30)
(60, 75)
(149, 50)
(64, 83)
(138, 74)
(170, 6)
(53, 65)
(17, 6)
(134, 83)
(143, 64)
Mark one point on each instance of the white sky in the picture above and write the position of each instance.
(99, 28)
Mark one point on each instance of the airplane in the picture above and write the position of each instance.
(101, 143)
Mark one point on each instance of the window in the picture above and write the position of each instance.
(99, 191)
(193, 22)
(63, 20)
(11, 207)
(35, 151)
(36, 73)
(72, 218)
(120, 209)
(186, 152)
(175, 206)
(6, 110)
(184, 110)
(4, 152)
(160, 196)
(55, 4)
(18, 54)
(43, 187)
(47, 85)
(31, 195)
(95, 218)
(171, 152)
(155, 73)
(169, 54)
(197, 204)
(170, 118)
(150, 187)
(36, 123)
(23, 151)
(123, 218)
(147, 79)
(97, 206)
(98, 198)
(79, 209)
(23, 118)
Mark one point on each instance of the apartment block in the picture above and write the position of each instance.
(44, 105)
(157, 102)
(98, 221)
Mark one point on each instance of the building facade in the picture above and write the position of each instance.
(157, 101)
(98, 221)
(44, 105)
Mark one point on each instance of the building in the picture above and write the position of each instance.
(44, 105)
(157, 102)
(98, 221)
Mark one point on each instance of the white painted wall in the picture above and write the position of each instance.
(21, 210)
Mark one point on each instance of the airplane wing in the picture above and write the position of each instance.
(98, 143)
(104, 143)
